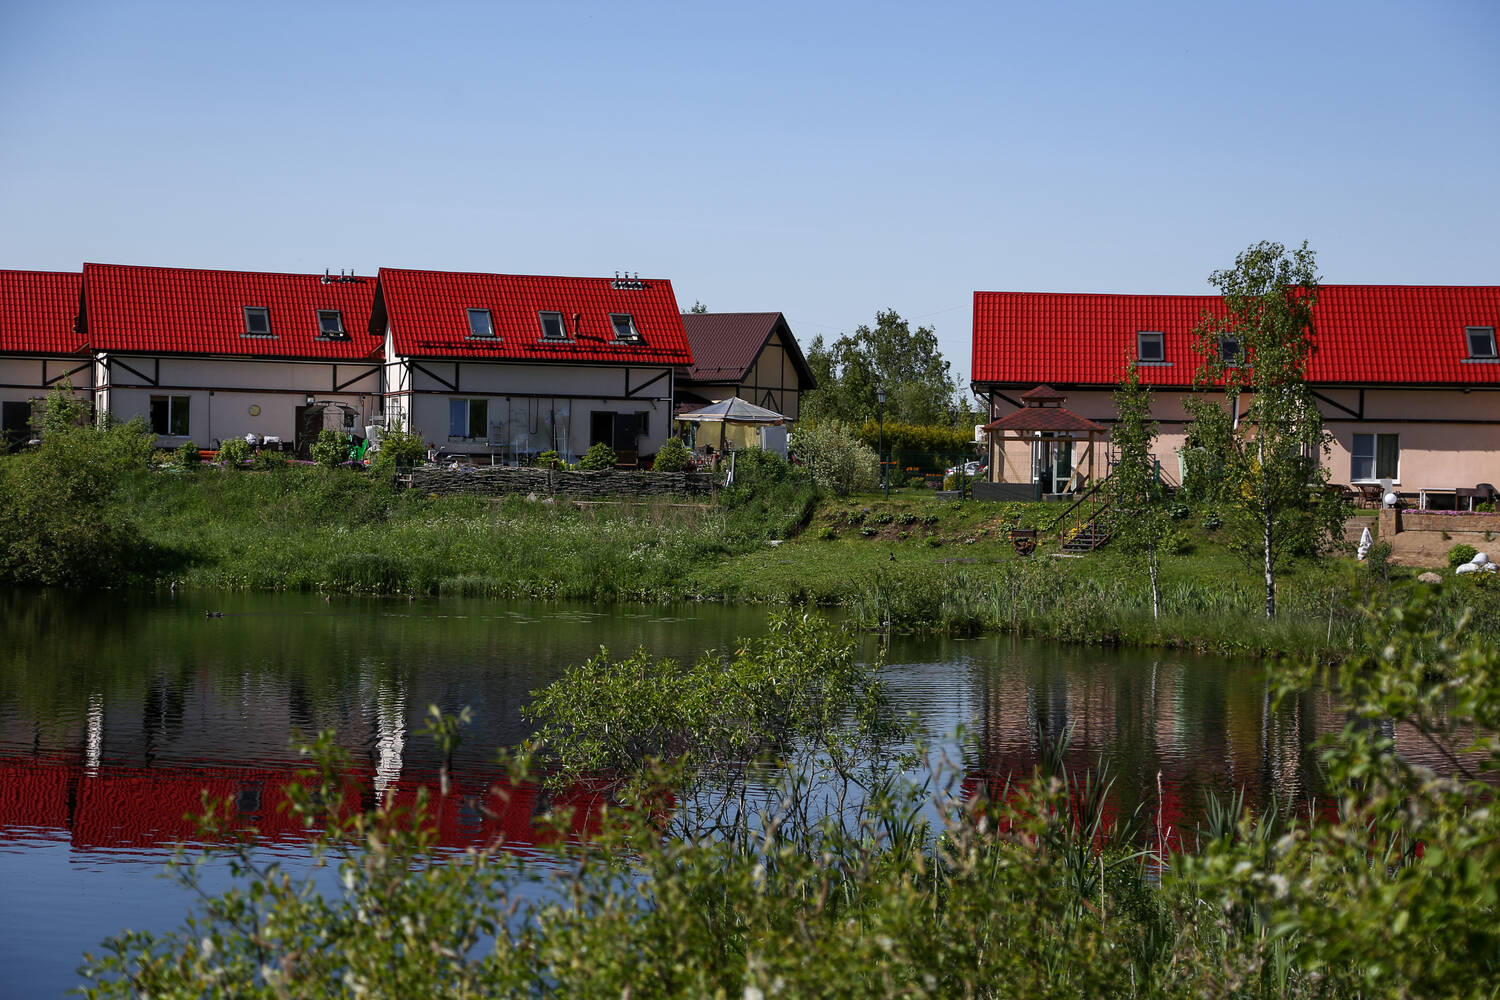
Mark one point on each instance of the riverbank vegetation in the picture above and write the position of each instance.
(860, 881)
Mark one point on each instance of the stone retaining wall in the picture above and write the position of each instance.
(505, 481)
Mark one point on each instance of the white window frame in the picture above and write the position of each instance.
(634, 334)
(489, 323)
(562, 325)
(338, 318)
(265, 315)
(174, 403)
(1144, 337)
(1484, 331)
(1372, 456)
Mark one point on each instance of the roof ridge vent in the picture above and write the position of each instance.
(627, 282)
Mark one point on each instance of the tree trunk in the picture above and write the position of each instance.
(1270, 569)
(1153, 565)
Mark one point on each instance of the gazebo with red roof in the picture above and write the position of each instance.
(1051, 435)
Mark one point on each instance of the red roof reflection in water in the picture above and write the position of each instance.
(142, 807)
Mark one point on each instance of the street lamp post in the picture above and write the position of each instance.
(885, 479)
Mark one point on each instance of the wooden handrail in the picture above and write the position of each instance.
(1076, 503)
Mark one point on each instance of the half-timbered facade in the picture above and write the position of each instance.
(39, 347)
(751, 356)
(209, 355)
(1407, 376)
(504, 367)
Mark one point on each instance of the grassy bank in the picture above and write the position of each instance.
(911, 562)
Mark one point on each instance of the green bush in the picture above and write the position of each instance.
(331, 449)
(234, 452)
(1379, 557)
(187, 456)
(1461, 553)
(673, 456)
(917, 482)
(267, 459)
(550, 460)
(839, 461)
(916, 437)
(399, 448)
(599, 456)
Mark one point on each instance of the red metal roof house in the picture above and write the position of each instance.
(39, 347)
(1408, 376)
(507, 366)
(209, 355)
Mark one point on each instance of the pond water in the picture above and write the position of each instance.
(116, 712)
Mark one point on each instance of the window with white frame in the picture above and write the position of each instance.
(481, 325)
(625, 331)
(469, 419)
(331, 324)
(1149, 346)
(1481, 341)
(1375, 457)
(552, 326)
(169, 416)
(257, 321)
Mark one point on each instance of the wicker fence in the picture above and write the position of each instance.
(608, 483)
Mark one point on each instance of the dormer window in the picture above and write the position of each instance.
(481, 326)
(552, 326)
(331, 324)
(1148, 346)
(1229, 350)
(258, 322)
(1481, 342)
(625, 331)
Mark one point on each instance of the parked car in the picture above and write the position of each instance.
(972, 470)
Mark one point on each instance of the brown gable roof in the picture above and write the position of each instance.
(726, 345)
(1043, 418)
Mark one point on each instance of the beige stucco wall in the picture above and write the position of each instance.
(1448, 437)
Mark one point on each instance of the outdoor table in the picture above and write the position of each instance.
(1425, 496)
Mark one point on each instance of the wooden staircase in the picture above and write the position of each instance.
(1090, 534)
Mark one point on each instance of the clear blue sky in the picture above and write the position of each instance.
(825, 160)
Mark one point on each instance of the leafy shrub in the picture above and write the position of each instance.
(884, 517)
(855, 517)
(1379, 557)
(673, 456)
(1212, 522)
(917, 482)
(916, 437)
(828, 533)
(331, 449)
(549, 460)
(233, 452)
(399, 448)
(267, 459)
(1461, 553)
(1177, 510)
(187, 457)
(599, 456)
(838, 460)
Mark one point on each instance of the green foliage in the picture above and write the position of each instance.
(234, 452)
(399, 449)
(62, 518)
(1271, 480)
(599, 456)
(671, 457)
(266, 459)
(331, 449)
(838, 460)
(919, 384)
(1139, 516)
(941, 438)
(1379, 558)
(187, 456)
(550, 459)
(1461, 553)
(62, 411)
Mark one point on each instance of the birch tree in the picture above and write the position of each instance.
(1274, 501)
(1135, 487)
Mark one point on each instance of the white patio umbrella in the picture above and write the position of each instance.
(732, 411)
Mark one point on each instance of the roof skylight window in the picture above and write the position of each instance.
(625, 331)
(1149, 347)
(331, 324)
(1481, 342)
(1229, 350)
(258, 322)
(481, 325)
(552, 326)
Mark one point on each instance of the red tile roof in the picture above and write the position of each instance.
(175, 310)
(726, 345)
(428, 316)
(37, 311)
(1366, 334)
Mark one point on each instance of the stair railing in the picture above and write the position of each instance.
(1060, 523)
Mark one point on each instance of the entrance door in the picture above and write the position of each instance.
(1062, 465)
(1051, 464)
(15, 424)
(602, 427)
